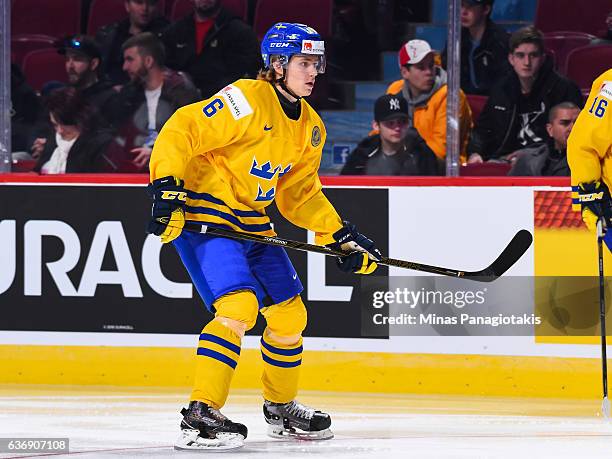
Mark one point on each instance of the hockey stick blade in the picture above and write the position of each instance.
(511, 254)
(515, 249)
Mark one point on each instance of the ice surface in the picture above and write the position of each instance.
(105, 423)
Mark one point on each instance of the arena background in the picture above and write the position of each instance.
(125, 313)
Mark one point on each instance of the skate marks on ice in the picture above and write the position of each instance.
(105, 424)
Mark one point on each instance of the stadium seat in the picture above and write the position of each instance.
(104, 12)
(562, 43)
(56, 18)
(44, 65)
(181, 8)
(485, 169)
(578, 15)
(587, 63)
(476, 104)
(23, 44)
(315, 13)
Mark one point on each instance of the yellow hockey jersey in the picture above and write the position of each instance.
(238, 152)
(589, 147)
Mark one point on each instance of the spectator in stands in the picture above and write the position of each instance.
(549, 158)
(25, 111)
(82, 67)
(153, 94)
(213, 45)
(423, 85)
(398, 149)
(143, 16)
(516, 112)
(484, 47)
(78, 144)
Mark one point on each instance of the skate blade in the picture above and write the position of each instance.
(281, 432)
(191, 440)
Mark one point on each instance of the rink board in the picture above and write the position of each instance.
(124, 312)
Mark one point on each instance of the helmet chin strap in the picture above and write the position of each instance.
(281, 83)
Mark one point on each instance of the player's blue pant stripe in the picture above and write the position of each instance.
(575, 201)
(276, 350)
(230, 218)
(278, 363)
(575, 188)
(217, 356)
(211, 198)
(222, 342)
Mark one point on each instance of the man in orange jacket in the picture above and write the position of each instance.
(423, 85)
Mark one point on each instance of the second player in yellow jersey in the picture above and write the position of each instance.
(589, 154)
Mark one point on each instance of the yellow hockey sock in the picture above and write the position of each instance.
(281, 369)
(218, 353)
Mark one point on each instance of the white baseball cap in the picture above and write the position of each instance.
(413, 52)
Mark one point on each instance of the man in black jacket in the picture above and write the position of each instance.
(213, 45)
(549, 158)
(82, 65)
(143, 16)
(484, 48)
(517, 109)
(397, 150)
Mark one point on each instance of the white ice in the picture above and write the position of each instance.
(129, 424)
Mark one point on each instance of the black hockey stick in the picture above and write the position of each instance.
(605, 404)
(510, 255)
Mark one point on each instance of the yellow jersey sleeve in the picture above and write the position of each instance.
(200, 128)
(301, 200)
(589, 144)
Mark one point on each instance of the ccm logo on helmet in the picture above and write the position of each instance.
(279, 45)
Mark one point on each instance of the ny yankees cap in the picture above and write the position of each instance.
(413, 52)
(389, 107)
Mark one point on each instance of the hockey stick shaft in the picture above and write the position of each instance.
(602, 321)
(485, 275)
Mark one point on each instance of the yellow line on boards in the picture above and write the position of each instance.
(325, 371)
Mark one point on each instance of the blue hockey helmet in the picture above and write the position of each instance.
(286, 39)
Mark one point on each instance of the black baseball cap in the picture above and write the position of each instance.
(389, 107)
(81, 44)
(479, 2)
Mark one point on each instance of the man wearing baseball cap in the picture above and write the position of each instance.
(484, 48)
(83, 60)
(398, 149)
(424, 87)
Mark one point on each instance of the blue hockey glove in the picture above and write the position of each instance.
(167, 214)
(362, 252)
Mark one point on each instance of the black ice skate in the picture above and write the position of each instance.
(294, 420)
(205, 428)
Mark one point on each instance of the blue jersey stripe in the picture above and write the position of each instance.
(278, 363)
(230, 218)
(276, 350)
(217, 356)
(223, 342)
(211, 198)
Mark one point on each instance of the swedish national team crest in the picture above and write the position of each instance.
(316, 136)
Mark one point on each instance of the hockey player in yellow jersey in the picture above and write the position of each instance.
(221, 162)
(589, 154)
